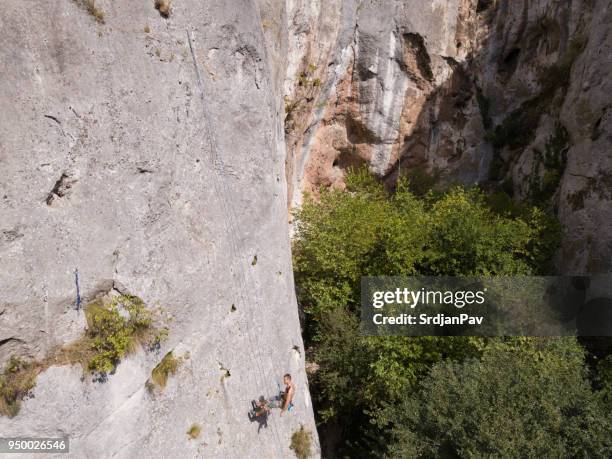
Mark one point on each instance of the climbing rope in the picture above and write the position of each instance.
(230, 231)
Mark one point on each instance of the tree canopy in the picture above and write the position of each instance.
(369, 388)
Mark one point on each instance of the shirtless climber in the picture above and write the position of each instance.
(288, 394)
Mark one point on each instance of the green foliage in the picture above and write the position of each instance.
(421, 182)
(335, 237)
(547, 233)
(604, 380)
(301, 443)
(305, 79)
(553, 161)
(347, 235)
(194, 431)
(518, 129)
(357, 371)
(501, 203)
(542, 222)
(525, 397)
(114, 327)
(558, 75)
(16, 382)
(290, 105)
(464, 237)
(599, 358)
(364, 231)
(306, 91)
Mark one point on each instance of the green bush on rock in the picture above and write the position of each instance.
(168, 366)
(301, 443)
(116, 325)
(16, 382)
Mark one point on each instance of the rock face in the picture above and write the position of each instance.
(146, 144)
(147, 151)
(511, 95)
(385, 64)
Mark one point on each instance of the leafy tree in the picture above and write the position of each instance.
(365, 231)
(524, 398)
(346, 235)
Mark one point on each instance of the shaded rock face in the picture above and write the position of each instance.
(148, 153)
(507, 94)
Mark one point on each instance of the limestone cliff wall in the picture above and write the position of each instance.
(156, 154)
(508, 94)
(148, 153)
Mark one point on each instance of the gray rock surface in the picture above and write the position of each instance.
(157, 156)
(148, 152)
(585, 193)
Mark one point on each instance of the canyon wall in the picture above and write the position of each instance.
(511, 95)
(156, 153)
(145, 149)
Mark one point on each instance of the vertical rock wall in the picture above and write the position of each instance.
(148, 152)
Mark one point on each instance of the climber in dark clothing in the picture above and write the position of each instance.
(260, 412)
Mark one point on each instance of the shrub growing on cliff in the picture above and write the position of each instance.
(301, 443)
(16, 382)
(194, 431)
(168, 366)
(114, 328)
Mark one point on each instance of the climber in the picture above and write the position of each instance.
(260, 412)
(288, 394)
(260, 407)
